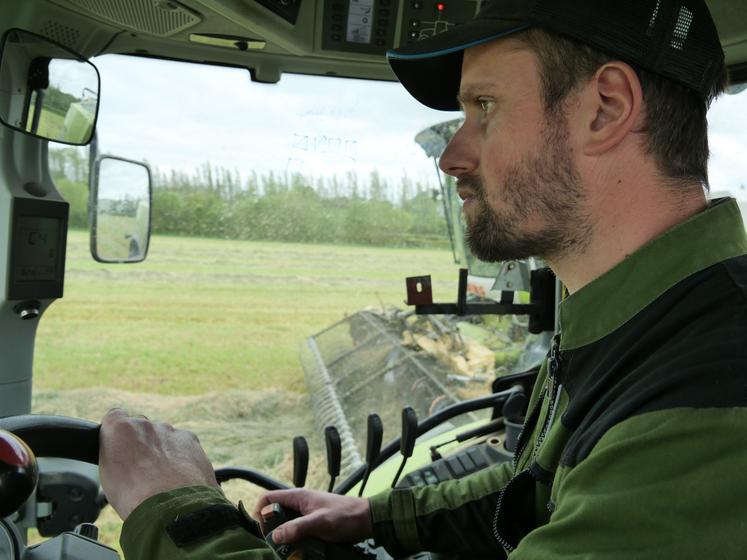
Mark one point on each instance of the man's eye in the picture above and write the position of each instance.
(486, 104)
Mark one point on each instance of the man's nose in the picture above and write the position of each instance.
(460, 156)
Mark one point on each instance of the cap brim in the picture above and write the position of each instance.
(431, 69)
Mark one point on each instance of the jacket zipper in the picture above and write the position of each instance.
(507, 546)
(553, 389)
(550, 391)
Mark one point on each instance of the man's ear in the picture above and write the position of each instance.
(613, 100)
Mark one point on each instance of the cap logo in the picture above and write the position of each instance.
(652, 22)
(682, 28)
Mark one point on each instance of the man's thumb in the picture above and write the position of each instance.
(292, 531)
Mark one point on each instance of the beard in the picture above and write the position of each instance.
(544, 186)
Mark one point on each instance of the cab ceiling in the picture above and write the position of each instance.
(270, 37)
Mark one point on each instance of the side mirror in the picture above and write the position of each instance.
(47, 90)
(120, 210)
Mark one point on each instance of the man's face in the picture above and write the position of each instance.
(513, 162)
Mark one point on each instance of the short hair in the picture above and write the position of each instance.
(676, 125)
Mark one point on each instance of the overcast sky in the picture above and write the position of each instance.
(178, 116)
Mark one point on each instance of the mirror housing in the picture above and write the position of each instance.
(47, 90)
(121, 196)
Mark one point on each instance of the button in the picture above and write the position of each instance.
(336, 27)
(383, 23)
(477, 458)
(338, 7)
(430, 476)
(381, 32)
(386, 2)
(416, 479)
(455, 466)
(441, 471)
(413, 34)
(417, 5)
(384, 12)
(466, 462)
(380, 43)
(336, 37)
(337, 17)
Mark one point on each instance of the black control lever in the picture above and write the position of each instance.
(515, 407)
(334, 454)
(374, 436)
(300, 461)
(407, 441)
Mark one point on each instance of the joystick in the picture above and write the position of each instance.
(19, 473)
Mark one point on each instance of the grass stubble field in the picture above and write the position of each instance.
(205, 334)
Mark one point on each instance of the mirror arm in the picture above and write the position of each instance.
(38, 103)
(38, 82)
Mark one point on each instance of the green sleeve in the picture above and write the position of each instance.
(667, 484)
(144, 535)
(455, 516)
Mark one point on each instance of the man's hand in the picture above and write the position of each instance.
(330, 517)
(139, 459)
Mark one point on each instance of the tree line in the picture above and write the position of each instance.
(213, 201)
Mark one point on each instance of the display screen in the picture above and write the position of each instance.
(360, 21)
(37, 249)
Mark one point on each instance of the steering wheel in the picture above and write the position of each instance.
(73, 438)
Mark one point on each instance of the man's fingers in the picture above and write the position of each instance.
(290, 499)
(296, 529)
(114, 414)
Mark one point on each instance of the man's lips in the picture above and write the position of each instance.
(466, 189)
(465, 194)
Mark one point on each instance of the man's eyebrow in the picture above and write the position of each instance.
(472, 90)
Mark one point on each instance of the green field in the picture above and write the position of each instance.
(206, 333)
(202, 315)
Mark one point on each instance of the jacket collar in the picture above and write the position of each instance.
(609, 301)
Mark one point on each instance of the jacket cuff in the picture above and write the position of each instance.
(146, 535)
(394, 521)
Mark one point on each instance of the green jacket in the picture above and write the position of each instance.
(634, 444)
(145, 534)
(634, 441)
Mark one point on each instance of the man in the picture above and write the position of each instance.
(584, 142)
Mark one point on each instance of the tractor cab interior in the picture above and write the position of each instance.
(52, 94)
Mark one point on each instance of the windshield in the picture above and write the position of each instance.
(286, 218)
(727, 122)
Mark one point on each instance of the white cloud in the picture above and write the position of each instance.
(177, 116)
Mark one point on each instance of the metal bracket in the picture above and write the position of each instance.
(541, 309)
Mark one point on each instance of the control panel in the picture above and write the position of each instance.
(37, 259)
(425, 18)
(459, 464)
(360, 26)
(370, 26)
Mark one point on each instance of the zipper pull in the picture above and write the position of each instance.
(554, 360)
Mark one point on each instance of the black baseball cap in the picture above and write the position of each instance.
(674, 38)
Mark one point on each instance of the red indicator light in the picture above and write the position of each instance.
(440, 6)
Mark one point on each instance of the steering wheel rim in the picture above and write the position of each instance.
(77, 439)
(56, 436)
